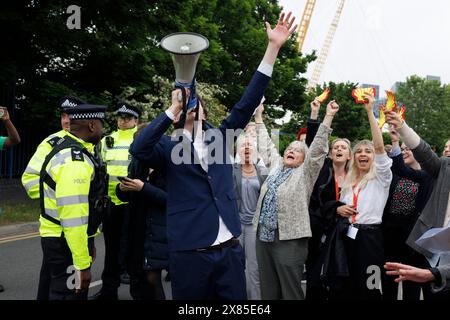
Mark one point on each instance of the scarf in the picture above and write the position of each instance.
(268, 220)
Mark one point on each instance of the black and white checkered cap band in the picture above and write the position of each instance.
(68, 104)
(87, 115)
(124, 109)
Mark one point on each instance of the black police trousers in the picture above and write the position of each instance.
(57, 277)
(115, 235)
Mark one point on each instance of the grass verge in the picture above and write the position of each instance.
(19, 212)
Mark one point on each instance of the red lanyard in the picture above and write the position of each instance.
(355, 202)
(336, 187)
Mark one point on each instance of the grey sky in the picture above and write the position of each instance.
(380, 41)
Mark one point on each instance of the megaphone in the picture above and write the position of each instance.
(185, 49)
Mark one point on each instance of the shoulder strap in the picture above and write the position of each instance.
(62, 143)
(53, 141)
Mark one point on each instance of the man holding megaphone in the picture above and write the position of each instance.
(206, 259)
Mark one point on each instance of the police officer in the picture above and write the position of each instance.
(115, 154)
(73, 198)
(30, 177)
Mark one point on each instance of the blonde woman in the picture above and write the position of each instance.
(322, 213)
(365, 193)
(282, 217)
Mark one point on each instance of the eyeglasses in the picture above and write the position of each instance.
(125, 119)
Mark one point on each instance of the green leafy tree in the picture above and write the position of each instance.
(153, 104)
(427, 109)
(118, 47)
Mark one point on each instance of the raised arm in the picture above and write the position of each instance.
(313, 123)
(266, 148)
(403, 171)
(278, 36)
(383, 163)
(398, 164)
(242, 112)
(427, 159)
(148, 147)
(319, 148)
(13, 135)
(377, 137)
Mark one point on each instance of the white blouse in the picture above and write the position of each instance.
(372, 199)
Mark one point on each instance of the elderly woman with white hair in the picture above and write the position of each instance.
(282, 218)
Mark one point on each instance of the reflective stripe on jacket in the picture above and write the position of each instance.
(117, 159)
(30, 177)
(69, 202)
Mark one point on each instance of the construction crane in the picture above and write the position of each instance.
(302, 30)
(304, 23)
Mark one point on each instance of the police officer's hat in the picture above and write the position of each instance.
(87, 112)
(128, 110)
(68, 102)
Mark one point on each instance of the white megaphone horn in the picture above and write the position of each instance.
(185, 49)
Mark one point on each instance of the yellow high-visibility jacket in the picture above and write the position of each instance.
(72, 172)
(117, 159)
(30, 177)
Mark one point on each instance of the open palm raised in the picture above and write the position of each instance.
(282, 31)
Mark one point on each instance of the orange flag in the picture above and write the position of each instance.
(382, 116)
(358, 94)
(401, 112)
(391, 103)
(324, 95)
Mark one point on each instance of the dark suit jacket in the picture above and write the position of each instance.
(433, 214)
(196, 198)
(147, 229)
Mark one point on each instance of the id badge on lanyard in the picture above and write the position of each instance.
(352, 231)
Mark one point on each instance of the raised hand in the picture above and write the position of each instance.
(394, 119)
(258, 113)
(332, 108)
(315, 106)
(395, 137)
(177, 103)
(369, 103)
(282, 31)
